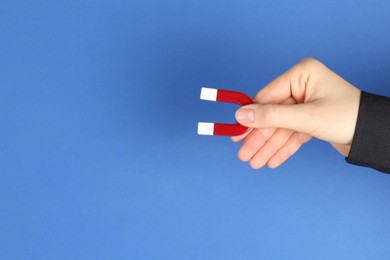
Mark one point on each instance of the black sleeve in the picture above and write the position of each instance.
(371, 141)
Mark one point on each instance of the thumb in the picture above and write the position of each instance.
(297, 117)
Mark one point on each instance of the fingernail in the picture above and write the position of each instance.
(245, 115)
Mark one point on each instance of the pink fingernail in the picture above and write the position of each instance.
(245, 115)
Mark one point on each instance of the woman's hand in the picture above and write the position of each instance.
(309, 100)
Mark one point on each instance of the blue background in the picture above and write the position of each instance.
(99, 156)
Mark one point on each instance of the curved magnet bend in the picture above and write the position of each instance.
(219, 95)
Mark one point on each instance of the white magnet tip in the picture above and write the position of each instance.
(208, 94)
(205, 128)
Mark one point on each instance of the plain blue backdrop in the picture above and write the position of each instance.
(99, 156)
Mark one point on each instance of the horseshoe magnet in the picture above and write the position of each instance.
(219, 95)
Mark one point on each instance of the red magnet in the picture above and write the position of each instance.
(219, 95)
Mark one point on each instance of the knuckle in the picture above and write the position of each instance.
(269, 113)
(307, 64)
(308, 61)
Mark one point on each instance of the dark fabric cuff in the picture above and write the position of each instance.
(371, 142)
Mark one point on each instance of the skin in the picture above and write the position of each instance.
(309, 100)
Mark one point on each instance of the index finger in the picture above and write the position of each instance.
(292, 83)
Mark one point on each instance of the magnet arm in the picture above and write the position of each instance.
(205, 128)
(228, 96)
